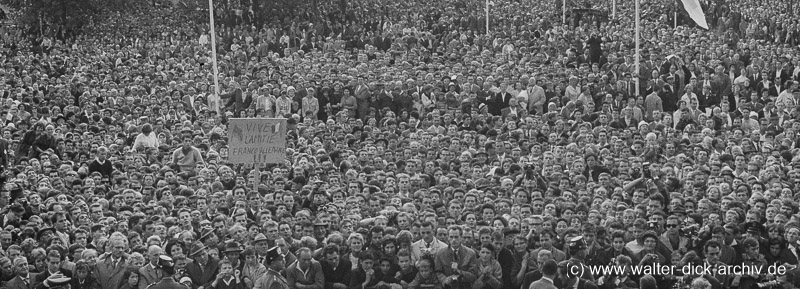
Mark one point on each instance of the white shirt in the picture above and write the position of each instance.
(146, 141)
(213, 102)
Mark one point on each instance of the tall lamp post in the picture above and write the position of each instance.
(213, 46)
(638, 52)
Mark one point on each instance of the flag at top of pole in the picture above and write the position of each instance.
(695, 12)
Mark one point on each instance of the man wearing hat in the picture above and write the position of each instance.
(208, 236)
(203, 268)
(233, 252)
(273, 278)
(166, 267)
(321, 229)
(754, 230)
(261, 246)
(578, 251)
(45, 234)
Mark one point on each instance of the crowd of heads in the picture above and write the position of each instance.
(411, 132)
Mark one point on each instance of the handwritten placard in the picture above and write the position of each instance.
(257, 140)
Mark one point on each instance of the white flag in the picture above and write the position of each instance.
(695, 12)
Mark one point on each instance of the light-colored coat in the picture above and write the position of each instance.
(109, 276)
(420, 247)
(542, 284)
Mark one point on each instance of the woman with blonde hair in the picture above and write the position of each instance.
(355, 244)
(701, 283)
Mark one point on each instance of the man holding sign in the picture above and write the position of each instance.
(257, 141)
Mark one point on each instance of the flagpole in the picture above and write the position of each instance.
(213, 46)
(675, 13)
(613, 9)
(564, 12)
(487, 17)
(637, 53)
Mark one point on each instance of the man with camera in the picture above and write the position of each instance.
(672, 237)
(649, 255)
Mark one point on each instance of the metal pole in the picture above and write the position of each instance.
(257, 173)
(487, 17)
(636, 55)
(213, 47)
(613, 9)
(675, 13)
(564, 12)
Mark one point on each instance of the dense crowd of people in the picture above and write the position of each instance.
(423, 151)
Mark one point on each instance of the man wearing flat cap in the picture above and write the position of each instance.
(273, 278)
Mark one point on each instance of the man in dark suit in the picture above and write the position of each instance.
(3, 154)
(23, 278)
(236, 99)
(712, 253)
(712, 96)
(385, 42)
(548, 271)
(727, 253)
(204, 269)
(335, 269)
(619, 281)
(53, 269)
(499, 100)
(512, 109)
(456, 266)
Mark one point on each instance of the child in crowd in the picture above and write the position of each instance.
(425, 278)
